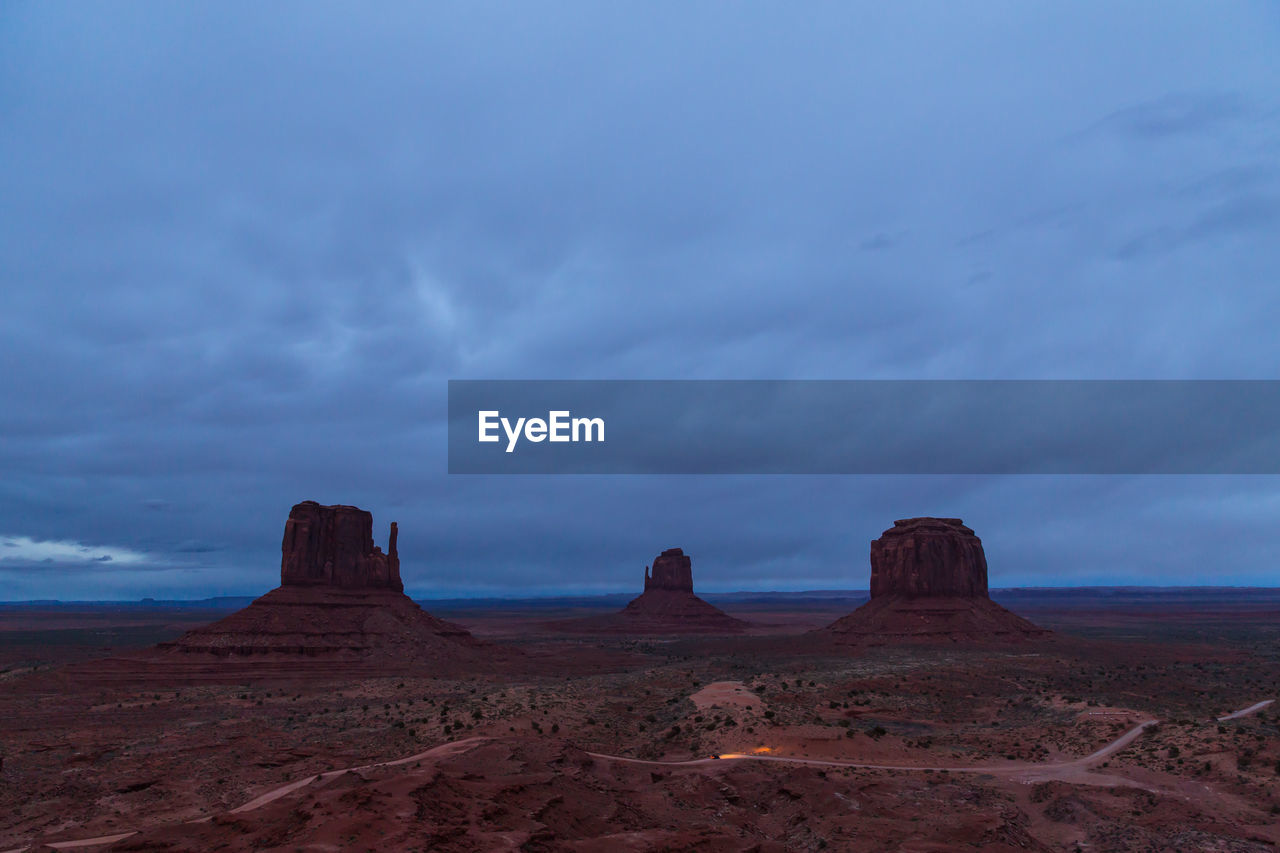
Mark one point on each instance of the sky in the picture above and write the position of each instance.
(244, 246)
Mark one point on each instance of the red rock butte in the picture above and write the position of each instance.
(340, 600)
(672, 571)
(929, 584)
(667, 605)
(928, 557)
(333, 546)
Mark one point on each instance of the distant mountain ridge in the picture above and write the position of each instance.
(1061, 593)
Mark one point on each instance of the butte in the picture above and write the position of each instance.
(340, 603)
(929, 585)
(667, 605)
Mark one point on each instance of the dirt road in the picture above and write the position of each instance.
(1071, 769)
(1093, 758)
(1252, 709)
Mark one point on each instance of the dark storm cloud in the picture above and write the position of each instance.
(245, 246)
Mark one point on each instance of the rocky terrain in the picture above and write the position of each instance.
(333, 713)
(531, 760)
(929, 584)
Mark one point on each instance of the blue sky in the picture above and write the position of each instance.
(245, 245)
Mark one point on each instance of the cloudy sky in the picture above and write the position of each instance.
(243, 247)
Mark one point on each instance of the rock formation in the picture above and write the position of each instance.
(667, 605)
(340, 600)
(929, 584)
(672, 571)
(928, 556)
(333, 546)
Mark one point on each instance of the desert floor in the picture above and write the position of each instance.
(1106, 737)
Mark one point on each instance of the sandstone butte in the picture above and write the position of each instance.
(929, 584)
(340, 600)
(667, 605)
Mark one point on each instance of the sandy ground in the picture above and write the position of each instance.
(1111, 744)
(1076, 771)
(726, 694)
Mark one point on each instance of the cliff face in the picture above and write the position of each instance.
(928, 557)
(672, 570)
(333, 546)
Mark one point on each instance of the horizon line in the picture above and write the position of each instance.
(536, 597)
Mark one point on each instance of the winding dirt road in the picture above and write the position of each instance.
(1252, 709)
(1048, 769)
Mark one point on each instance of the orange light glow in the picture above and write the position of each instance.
(759, 750)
